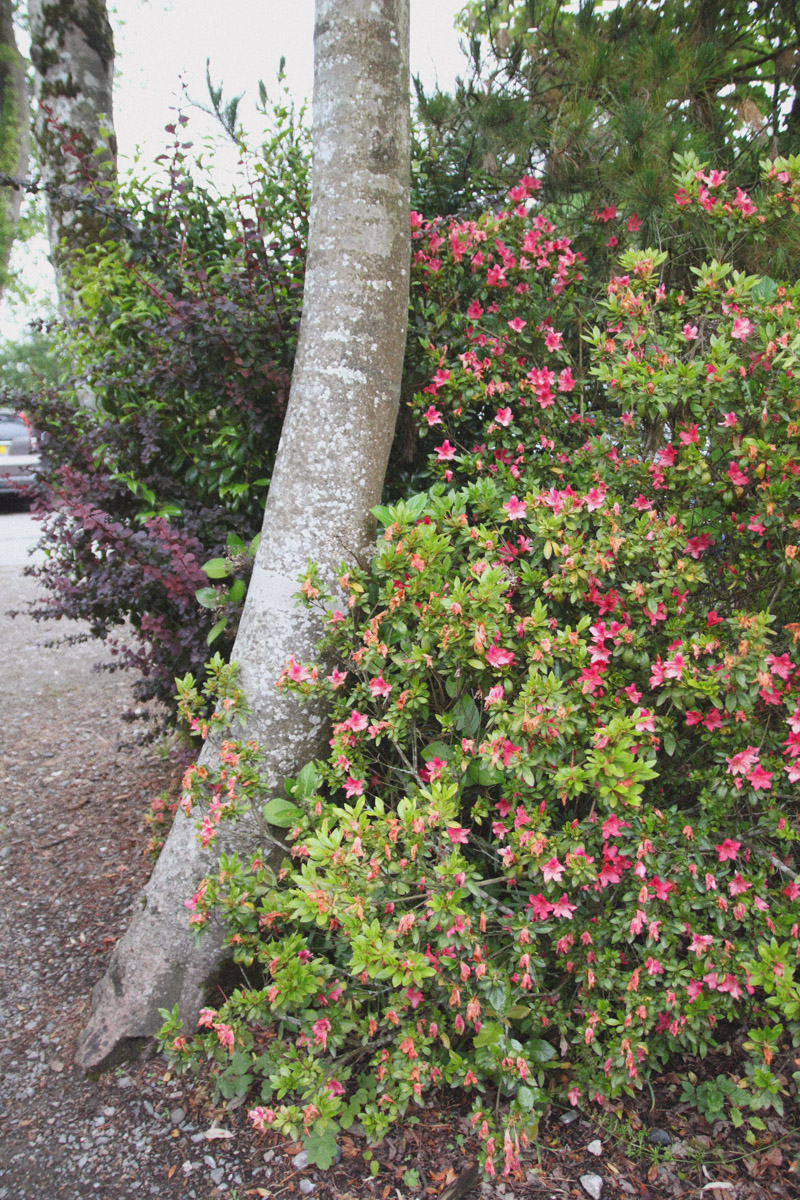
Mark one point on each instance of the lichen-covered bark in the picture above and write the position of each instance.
(14, 132)
(72, 49)
(329, 473)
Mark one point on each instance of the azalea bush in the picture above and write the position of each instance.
(555, 840)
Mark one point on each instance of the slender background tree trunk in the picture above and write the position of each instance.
(14, 131)
(329, 473)
(72, 48)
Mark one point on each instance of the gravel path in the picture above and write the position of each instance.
(71, 863)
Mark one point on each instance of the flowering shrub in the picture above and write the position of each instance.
(555, 840)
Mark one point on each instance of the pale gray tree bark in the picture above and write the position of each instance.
(72, 49)
(328, 474)
(14, 131)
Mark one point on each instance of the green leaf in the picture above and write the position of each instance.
(208, 597)
(240, 1063)
(416, 505)
(489, 1035)
(540, 1051)
(518, 1012)
(281, 813)
(669, 744)
(436, 750)
(321, 1149)
(216, 630)
(382, 514)
(216, 568)
(306, 783)
(466, 715)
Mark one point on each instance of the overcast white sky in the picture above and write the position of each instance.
(162, 44)
(160, 41)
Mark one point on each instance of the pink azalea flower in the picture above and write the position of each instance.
(379, 686)
(260, 1116)
(435, 767)
(496, 656)
(458, 835)
(225, 1035)
(321, 1029)
(515, 508)
(552, 339)
(737, 477)
(553, 870)
(563, 908)
(504, 417)
(741, 763)
(334, 1087)
(713, 720)
(645, 723)
(661, 887)
(517, 325)
(613, 827)
(353, 787)
(760, 779)
(693, 990)
(634, 224)
(475, 311)
(673, 667)
(566, 381)
(728, 849)
(742, 328)
(744, 203)
(738, 886)
(540, 908)
(729, 984)
(780, 665)
(445, 452)
(432, 415)
(700, 943)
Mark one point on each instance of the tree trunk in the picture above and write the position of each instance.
(328, 474)
(72, 48)
(14, 132)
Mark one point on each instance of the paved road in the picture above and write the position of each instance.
(18, 533)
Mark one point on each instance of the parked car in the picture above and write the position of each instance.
(19, 457)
